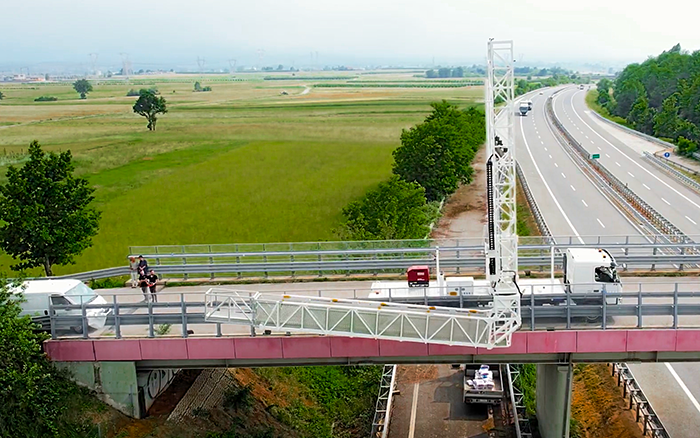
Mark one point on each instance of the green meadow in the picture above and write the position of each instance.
(242, 163)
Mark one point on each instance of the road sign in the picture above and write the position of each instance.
(595, 156)
(667, 154)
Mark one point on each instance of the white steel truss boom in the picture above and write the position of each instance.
(502, 238)
(357, 318)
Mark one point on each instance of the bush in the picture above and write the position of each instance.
(163, 329)
(238, 398)
(107, 283)
(132, 93)
(396, 209)
(46, 99)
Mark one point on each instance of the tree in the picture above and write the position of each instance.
(2, 96)
(444, 72)
(458, 72)
(395, 209)
(430, 74)
(197, 86)
(604, 91)
(149, 105)
(82, 86)
(686, 147)
(437, 153)
(36, 397)
(45, 213)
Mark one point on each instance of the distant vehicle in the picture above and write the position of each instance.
(580, 87)
(39, 294)
(541, 93)
(483, 384)
(524, 108)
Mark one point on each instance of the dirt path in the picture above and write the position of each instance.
(464, 214)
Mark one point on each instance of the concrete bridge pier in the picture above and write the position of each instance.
(554, 399)
(120, 384)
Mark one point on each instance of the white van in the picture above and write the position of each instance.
(39, 293)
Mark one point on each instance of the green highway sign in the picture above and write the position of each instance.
(595, 156)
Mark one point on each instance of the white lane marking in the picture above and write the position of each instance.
(635, 162)
(572, 187)
(414, 405)
(541, 141)
(694, 223)
(630, 174)
(601, 224)
(549, 189)
(666, 201)
(556, 165)
(618, 164)
(545, 148)
(646, 186)
(584, 202)
(562, 174)
(585, 136)
(682, 385)
(598, 147)
(550, 155)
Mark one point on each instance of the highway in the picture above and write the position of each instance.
(571, 204)
(676, 202)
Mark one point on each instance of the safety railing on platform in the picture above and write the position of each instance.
(382, 411)
(640, 305)
(644, 412)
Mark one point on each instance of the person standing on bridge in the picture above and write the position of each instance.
(143, 266)
(152, 280)
(143, 284)
(134, 268)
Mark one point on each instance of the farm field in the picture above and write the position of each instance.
(242, 163)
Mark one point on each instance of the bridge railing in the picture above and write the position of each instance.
(641, 305)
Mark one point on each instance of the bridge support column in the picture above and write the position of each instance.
(120, 385)
(554, 399)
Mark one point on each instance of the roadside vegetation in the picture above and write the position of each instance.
(660, 97)
(434, 158)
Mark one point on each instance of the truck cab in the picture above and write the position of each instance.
(523, 108)
(591, 270)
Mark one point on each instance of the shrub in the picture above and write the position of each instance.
(238, 397)
(163, 329)
(46, 99)
(132, 92)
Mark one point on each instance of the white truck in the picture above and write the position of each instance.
(586, 271)
(524, 108)
(483, 384)
(40, 294)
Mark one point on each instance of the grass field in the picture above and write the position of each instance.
(242, 163)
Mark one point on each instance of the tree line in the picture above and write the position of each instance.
(433, 159)
(660, 97)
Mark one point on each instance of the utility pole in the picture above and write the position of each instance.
(126, 65)
(261, 55)
(93, 61)
(200, 63)
(232, 65)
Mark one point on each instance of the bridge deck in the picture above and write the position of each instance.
(528, 347)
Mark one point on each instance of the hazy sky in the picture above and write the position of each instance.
(353, 32)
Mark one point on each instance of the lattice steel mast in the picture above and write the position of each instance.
(502, 238)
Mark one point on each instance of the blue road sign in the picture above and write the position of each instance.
(667, 154)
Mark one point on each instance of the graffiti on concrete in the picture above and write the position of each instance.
(153, 383)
